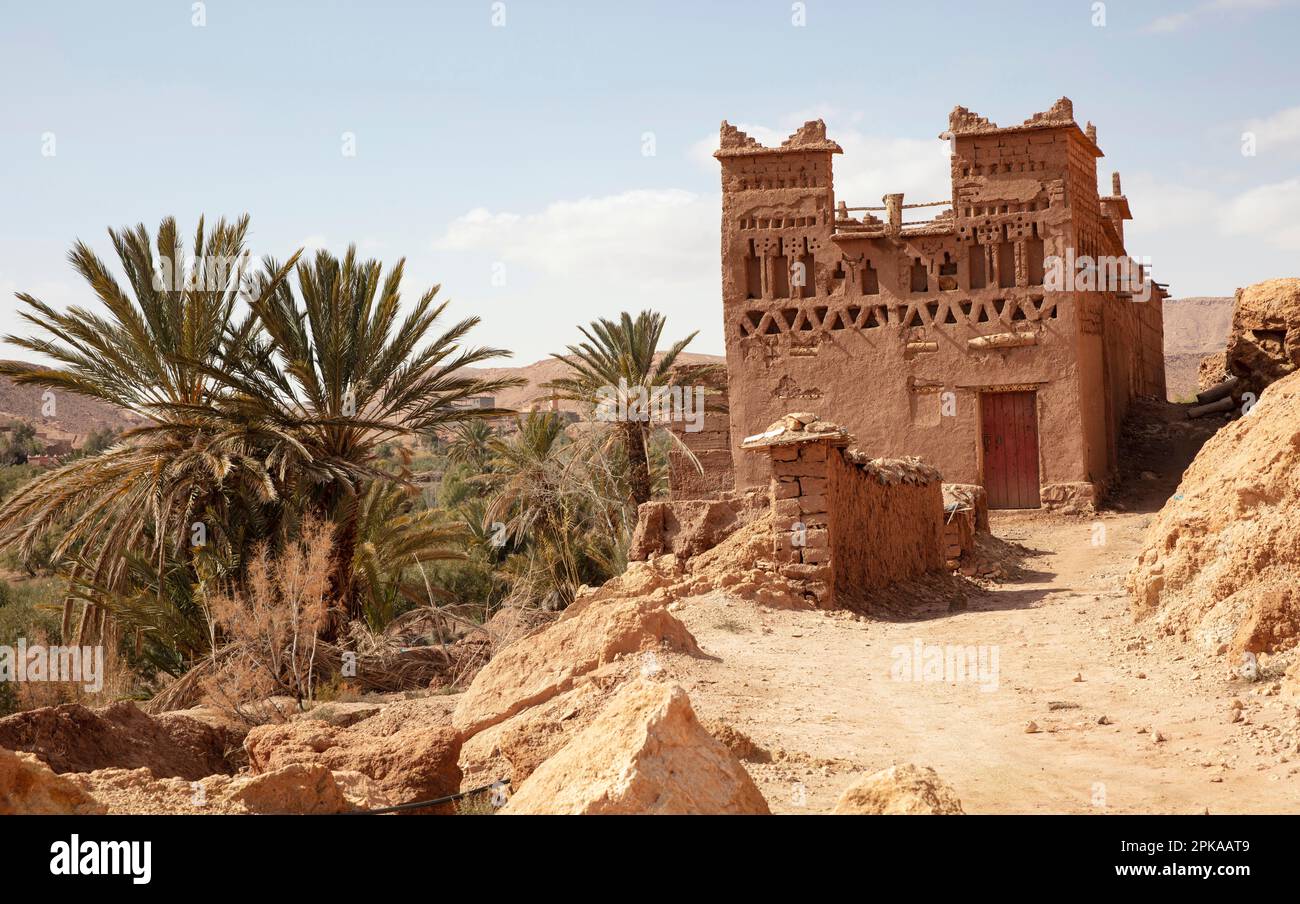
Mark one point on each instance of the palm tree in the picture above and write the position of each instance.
(530, 502)
(553, 504)
(618, 365)
(471, 444)
(338, 372)
(152, 353)
(395, 539)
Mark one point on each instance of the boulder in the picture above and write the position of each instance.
(644, 753)
(28, 787)
(513, 749)
(1212, 371)
(1264, 345)
(900, 790)
(403, 714)
(527, 674)
(416, 762)
(74, 738)
(739, 743)
(140, 792)
(299, 788)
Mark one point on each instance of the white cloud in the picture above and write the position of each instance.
(1269, 213)
(637, 239)
(1182, 19)
(574, 261)
(1159, 205)
(1279, 131)
(873, 166)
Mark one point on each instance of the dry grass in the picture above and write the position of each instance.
(117, 682)
(271, 631)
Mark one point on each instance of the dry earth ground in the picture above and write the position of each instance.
(816, 690)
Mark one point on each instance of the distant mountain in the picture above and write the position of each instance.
(522, 397)
(1194, 328)
(74, 417)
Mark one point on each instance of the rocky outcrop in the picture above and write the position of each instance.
(735, 740)
(1212, 370)
(416, 762)
(645, 753)
(1264, 345)
(28, 787)
(902, 790)
(292, 790)
(1220, 563)
(299, 788)
(587, 637)
(74, 738)
(513, 749)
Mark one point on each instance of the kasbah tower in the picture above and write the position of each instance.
(944, 337)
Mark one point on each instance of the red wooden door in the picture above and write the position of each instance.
(1009, 434)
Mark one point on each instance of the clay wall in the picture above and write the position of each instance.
(714, 475)
(882, 532)
(843, 529)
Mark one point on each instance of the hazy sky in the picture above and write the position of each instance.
(548, 162)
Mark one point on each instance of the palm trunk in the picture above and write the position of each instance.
(343, 590)
(638, 461)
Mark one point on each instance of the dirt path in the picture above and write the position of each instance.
(825, 695)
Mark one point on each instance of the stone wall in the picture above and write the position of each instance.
(801, 517)
(844, 523)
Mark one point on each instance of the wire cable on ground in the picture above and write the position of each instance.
(421, 804)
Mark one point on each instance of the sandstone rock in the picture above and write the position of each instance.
(28, 787)
(1212, 371)
(403, 714)
(1264, 345)
(900, 790)
(524, 675)
(140, 792)
(645, 753)
(1220, 563)
(513, 749)
(417, 762)
(294, 789)
(74, 738)
(361, 791)
(297, 788)
(735, 740)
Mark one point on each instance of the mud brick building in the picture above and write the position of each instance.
(941, 338)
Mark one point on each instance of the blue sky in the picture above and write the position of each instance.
(556, 168)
